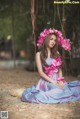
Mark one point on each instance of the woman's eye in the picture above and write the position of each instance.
(55, 40)
(51, 39)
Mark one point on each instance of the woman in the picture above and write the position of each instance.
(51, 88)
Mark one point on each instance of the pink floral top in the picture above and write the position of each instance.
(50, 69)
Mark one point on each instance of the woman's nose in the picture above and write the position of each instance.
(53, 41)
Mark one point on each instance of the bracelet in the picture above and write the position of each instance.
(60, 79)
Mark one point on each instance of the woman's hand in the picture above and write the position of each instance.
(58, 83)
(61, 84)
(55, 83)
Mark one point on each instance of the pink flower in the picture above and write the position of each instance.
(38, 44)
(59, 61)
(60, 39)
(56, 63)
(59, 33)
(51, 31)
(65, 43)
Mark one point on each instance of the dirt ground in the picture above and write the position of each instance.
(20, 78)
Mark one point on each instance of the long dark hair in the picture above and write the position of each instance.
(43, 49)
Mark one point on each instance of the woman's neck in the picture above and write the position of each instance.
(49, 51)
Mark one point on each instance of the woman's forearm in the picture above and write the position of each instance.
(60, 72)
(43, 75)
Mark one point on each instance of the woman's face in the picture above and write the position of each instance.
(52, 41)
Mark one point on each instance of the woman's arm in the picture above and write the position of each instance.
(40, 69)
(60, 72)
(61, 84)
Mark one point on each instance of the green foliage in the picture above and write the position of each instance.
(18, 13)
(15, 20)
(5, 27)
(22, 31)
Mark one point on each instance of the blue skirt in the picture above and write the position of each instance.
(50, 93)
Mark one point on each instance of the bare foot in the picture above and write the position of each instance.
(16, 92)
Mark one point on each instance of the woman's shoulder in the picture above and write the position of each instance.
(38, 54)
(58, 52)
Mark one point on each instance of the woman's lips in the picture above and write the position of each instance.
(52, 44)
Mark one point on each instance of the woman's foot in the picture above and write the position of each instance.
(16, 92)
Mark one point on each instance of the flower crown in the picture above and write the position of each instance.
(63, 42)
